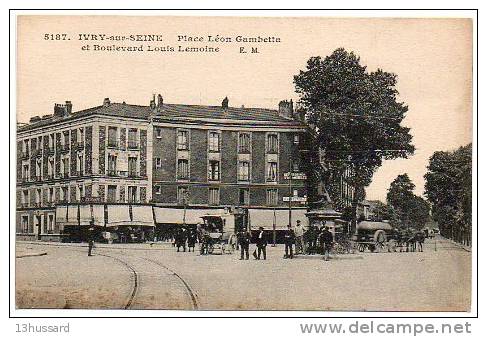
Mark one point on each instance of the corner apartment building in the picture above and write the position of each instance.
(103, 164)
(95, 156)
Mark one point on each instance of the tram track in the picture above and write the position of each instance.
(135, 277)
(191, 293)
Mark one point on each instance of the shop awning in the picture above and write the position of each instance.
(118, 215)
(72, 215)
(265, 218)
(85, 215)
(175, 215)
(61, 213)
(99, 215)
(142, 215)
(61, 216)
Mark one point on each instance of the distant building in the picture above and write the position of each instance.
(119, 166)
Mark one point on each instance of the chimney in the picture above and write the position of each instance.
(69, 107)
(153, 102)
(286, 109)
(106, 102)
(60, 110)
(160, 103)
(225, 103)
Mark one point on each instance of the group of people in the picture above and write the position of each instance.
(318, 241)
(183, 236)
(294, 242)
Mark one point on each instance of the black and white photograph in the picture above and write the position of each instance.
(243, 163)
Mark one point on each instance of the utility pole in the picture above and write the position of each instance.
(290, 188)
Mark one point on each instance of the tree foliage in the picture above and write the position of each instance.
(449, 189)
(412, 210)
(355, 115)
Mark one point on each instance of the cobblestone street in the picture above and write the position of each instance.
(140, 276)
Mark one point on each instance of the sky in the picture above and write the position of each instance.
(431, 57)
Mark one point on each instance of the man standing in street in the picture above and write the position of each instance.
(91, 241)
(261, 244)
(288, 241)
(244, 242)
(298, 232)
(327, 238)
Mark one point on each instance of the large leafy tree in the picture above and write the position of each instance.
(449, 189)
(355, 116)
(412, 210)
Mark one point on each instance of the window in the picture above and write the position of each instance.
(158, 162)
(65, 139)
(112, 193)
(157, 189)
(112, 165)
(25, 171)
(65, 167)
(25, 198)
(38, 168)
(50, 195)
(183, 195)
(79, 164)
(243, 170)
(25, 224)
(81, 135)
(183, 169)
(183, 140)
(244, 143)
(132, 139)
(132, 194)
(132, 166)
(214, 196)
(158, 133)
(244, 196)
(272, 143)
(271, 197)
(271, 171)
(112, 137)
(50, 223)
(214, 170)
(214, 142)
(296, 139)
(80, 192)
(38, 196)
(51, 141)
(64, 193)
(50, 168)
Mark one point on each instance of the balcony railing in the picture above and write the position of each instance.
(24, 179)
(133, 174)
(24, 205)
(113, 144)
(79, 173)
(132, 145)
(50, 176)
(36, 178)
(112, 173)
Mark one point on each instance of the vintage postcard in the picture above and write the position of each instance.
(243, 163)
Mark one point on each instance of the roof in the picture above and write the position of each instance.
(173, 112)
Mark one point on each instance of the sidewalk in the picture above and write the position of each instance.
(131, 246)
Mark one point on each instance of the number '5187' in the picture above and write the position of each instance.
(56, 37)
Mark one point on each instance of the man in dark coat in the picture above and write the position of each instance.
(192, 236)
(181, 239)
(244, 242)
(261, 241)
(288, 242)
(311, 237)
(327, 239)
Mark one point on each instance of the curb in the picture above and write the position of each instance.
(332, 257)
(30, 255)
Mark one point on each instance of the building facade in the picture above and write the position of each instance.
(75, 168)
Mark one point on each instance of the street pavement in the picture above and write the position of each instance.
(143, 276)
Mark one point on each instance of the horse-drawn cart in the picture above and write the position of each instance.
(375, 236)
